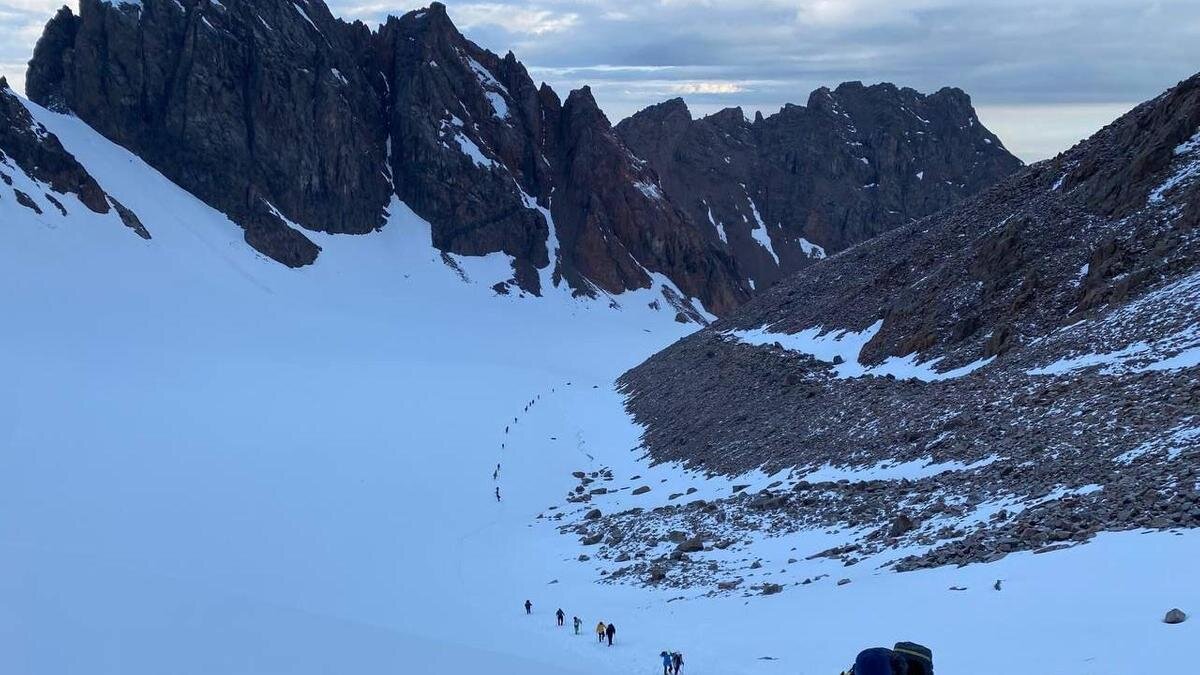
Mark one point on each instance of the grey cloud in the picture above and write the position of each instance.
(1008, 54)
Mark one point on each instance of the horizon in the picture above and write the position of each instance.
(1034, 88)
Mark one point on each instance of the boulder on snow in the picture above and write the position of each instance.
(691, 545)
(641, 490)
(901, 525)
(1175, 616)
(592, 515)
(771, 589)
(592, 540)
(843, 582)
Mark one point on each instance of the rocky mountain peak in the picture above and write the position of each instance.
(288, 120)
(1151, 134)
(807, 181)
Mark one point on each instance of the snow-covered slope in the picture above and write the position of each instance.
(213, 463)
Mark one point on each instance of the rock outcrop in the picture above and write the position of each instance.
(783, 191)
(29, 148)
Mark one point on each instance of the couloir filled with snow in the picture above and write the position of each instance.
(210, 463)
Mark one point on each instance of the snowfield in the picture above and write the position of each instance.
(210, 463)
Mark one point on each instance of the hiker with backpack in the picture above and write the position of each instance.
(600, 628)
(878, 661)
(528, 607)
(559, 615)
(578, 625)
(666, 661)
(917, 658)
(676, 662)
(610, 632)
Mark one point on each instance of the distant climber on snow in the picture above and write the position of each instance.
(610, 632)
(497, 494)
(559, 614)
(496, 473)
(666, 661)
(676, 662)
(578, 625)
(528, 607)
(600, 627)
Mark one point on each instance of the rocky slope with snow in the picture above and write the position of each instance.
(292, 121)
(782, 191)
(1018, 372)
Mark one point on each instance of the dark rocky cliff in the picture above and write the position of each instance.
(855, 162)
(288, 119)
(28, 147)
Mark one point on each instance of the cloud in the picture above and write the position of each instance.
(528, 21)
(707, 88)
(1030, 55)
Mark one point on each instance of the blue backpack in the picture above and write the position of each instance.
(878, 661)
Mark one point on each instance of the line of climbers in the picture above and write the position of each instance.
(604, 631)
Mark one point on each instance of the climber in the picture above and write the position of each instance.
(559, 615)
(528, 607)
(610, 632)
(600, 628)
(578, 625)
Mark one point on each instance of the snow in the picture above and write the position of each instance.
(827, 346)
(499, 105)
(552, 245)
(920, 175)
(759, 231)
(338, 74)
(911, 470)
(304, 14)
(216, 464)
(496, 93)
(649, 189)
(810, 249)
(719, 226)
(1185, 173)
(468, 147)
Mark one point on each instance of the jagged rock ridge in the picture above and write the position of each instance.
(288, 119)
(782, 191)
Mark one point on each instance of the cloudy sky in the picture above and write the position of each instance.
(1042, 73)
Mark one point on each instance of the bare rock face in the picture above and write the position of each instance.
(260, 109)
(28, 147)
(617, 224)
(783, 191)
(465, 141)
(40, 154)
